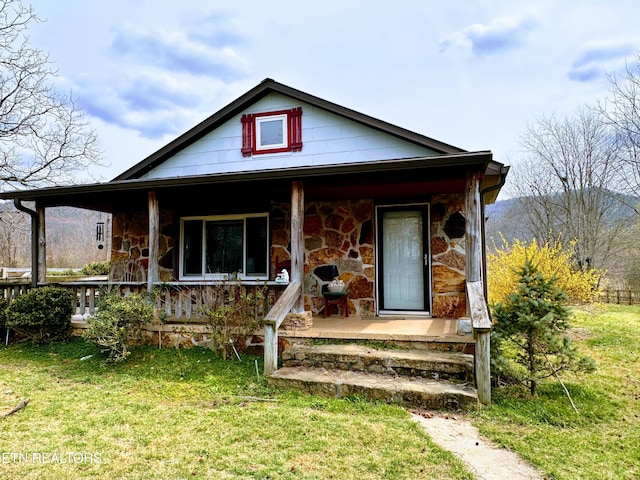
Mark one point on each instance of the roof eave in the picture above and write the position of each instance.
(482, 160)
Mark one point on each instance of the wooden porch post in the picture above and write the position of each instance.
(41, 270)
(154, 240)
(294, 290)
(478, 307)
(297, 240)
(270, 348)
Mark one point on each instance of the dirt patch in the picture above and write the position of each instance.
(484, 459)
(578, 334)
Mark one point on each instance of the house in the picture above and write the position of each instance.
(279, 179)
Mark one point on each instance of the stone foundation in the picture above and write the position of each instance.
(297, 321)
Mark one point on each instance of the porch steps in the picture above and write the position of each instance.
(417, 378)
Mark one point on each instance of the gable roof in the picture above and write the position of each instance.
(264, 88)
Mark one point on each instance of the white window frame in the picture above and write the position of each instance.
(285, 132)
(225, 275)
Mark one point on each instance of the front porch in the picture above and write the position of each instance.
(436, 332)
(416, 362)
(424, 333)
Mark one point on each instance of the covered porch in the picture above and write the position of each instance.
(181, 306)
(436, 332)
(156, 208)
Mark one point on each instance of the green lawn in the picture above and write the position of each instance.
(602, 440)
(172, 414)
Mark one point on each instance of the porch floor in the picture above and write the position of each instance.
(409, 329)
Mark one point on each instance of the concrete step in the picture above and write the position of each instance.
(414, 392)
(430, 364)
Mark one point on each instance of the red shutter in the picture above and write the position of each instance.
(295, 129)
(248, 132)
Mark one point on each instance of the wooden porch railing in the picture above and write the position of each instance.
(272, 322)
(12, 289)
(481, 323)
(87, 293)
(176, 302)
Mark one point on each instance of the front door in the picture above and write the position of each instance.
(403, 267)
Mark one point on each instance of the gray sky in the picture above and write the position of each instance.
(468, 73)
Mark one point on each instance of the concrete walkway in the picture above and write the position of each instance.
(484, 459)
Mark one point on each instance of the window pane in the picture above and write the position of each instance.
(257, 246)
(402, 258)
(224, 246)
(272, 132)
(192, 248)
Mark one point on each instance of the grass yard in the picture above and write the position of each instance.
(173, 414)
(601, 441)
(184, 414)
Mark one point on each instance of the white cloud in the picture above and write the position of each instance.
(468, 76)
(176, 52)
(501, 34)
(597, 59)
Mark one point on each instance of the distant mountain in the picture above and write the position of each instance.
(506, 218)
(71, 237)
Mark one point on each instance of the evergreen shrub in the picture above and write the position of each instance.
(117, 323)
(42, 315)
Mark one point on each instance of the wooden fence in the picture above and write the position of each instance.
(621, 297)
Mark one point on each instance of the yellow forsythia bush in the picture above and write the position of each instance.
(581, 286)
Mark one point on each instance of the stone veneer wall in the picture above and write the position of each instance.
(130, 241)
(339, 233)
(448, 256)
(336, 233)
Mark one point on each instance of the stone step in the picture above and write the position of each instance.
(414, 392)
(415, 363)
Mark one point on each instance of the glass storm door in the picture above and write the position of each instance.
(403, 260)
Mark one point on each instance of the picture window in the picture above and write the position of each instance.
(218, 247)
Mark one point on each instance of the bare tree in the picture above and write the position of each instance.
(566, 184)
(81, 248)
(622, 112)
(44, 136)
(14, 237)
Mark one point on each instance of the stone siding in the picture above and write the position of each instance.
(336, 233)
(130, 242)
(448, 256)
(339, 233)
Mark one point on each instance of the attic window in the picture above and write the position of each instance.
(272, 132)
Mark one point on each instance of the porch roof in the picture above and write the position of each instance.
(441, 173)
